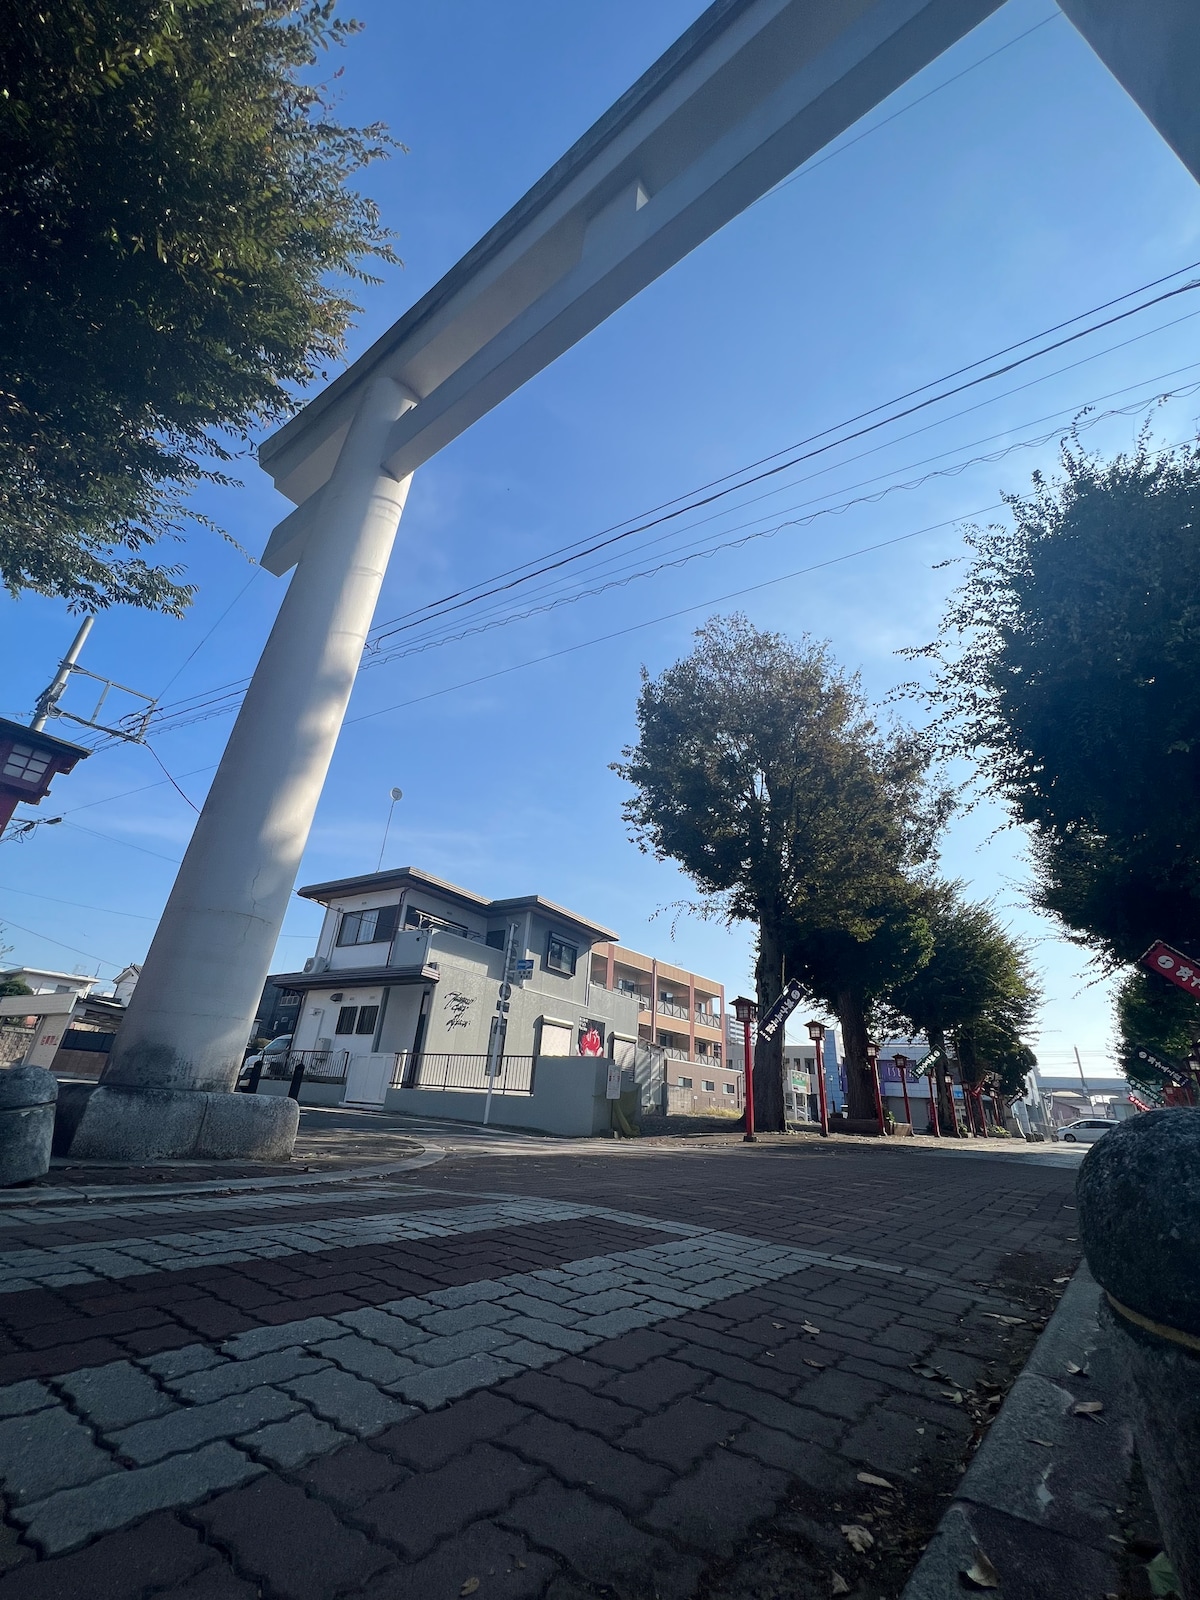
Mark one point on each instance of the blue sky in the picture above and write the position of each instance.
(1024, 192)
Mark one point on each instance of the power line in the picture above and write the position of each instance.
(33, 933)
(76, 905)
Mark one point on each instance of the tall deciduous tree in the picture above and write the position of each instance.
(1068, 668)
(976, 992)
(760, 771)
(174, 197)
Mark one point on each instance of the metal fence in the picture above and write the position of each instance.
(320, 1066)
(514, 1074)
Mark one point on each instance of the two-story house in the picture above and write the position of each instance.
(410, 965)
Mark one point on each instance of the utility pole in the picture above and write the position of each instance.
(1083, 1081)
(50, 696)
(496, 1042)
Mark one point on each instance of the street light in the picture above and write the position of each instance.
(746, 1011)
(816, 1032)
(901, 1063)
(873, 1069)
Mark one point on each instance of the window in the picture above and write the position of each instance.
(414, 917)
(561, 956)
(685, 1083)
(496, 939)
(368, 1016)
(729, 1088)
(26, 764)
(347, 1017)
(367, 927)
(709, 1088)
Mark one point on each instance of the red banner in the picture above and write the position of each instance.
(1173, 964)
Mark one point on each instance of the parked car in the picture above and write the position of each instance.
(1086, 1131)
(273, 1057)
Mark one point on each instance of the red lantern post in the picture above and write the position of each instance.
(816, 1032)
(746, 1011)
(873, 1068)
(901, 1064)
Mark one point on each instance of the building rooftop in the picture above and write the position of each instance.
(414, 878)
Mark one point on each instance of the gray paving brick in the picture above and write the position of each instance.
(552, 1334)
(522, 1353)
(351, 1403)
(531, 1305)
(468, 1294)
(72, 1517)
(383, 1327)
(742, 1487)
(192, 1426)
(581, 1458)
(257, 1341)
(366, 1359)
(18, 1399)
(48, 1450)
(189, 1358)
(236, 1377)
(289, 1444)
(457, 1319)
(115, 1395)
(613, 1323)
(437, 1352)
(439, 1384)
(594, 1305)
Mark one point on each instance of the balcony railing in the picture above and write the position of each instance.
(668, 1008)
(438, 1070)
(320, 1066)
(674, 1053)
(708, 1019)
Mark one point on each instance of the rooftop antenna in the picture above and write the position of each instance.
(396, 794)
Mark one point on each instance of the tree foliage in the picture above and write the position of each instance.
(173, 200)
(976, 994)
(760, 771)
(1068, 669)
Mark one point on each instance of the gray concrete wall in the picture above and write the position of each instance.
(311, 1094)
(567, 1099)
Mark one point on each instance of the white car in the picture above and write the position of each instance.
(1086, 1131)
(273, 1056)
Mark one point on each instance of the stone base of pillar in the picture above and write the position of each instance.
(138, 1125)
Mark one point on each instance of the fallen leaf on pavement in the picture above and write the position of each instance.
(954, 1395)
(857, 1537)
(1009, 1322)
(1088, 1408)
(1048, 1444)
(470, 1586)
(820, 1365)
(880, 1483)
(810, 1327)
(1062, 1280)
(839, 1584)
(1161, 1574)
(981, 1574)
(777, 1324)
(924, 1372)
(1074, 1368)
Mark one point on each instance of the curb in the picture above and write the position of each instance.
(1043, 1493)
(143, 1191)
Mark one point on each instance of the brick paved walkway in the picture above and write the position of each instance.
(560, 1373)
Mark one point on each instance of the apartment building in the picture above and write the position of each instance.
(683, 1013)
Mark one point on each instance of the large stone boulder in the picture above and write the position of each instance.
(27, 1096)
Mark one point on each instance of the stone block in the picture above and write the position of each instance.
(439, 1352)
(187, 1358)
(429, 1440)
(432, 1506)
(236, 1377)
(501, 1562)
(742, 1486)
(73, 1516)
(192, 1426)
(349, 1403)
(284, 1335)
(26, 1138)
(18, 1399)
(436, 1385)
(366, 1359)
(384, 1328)
(289, 1444)
(48, 1450)
(115, 1395)
(682, 1434)
(120, 1123)
(581, 1458)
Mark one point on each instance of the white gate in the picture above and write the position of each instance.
(368, 1079)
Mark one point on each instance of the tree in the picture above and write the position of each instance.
(1068, 668)
(174, 197)
(759, 770)
(976, 992)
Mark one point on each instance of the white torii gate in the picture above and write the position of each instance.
(748, 93)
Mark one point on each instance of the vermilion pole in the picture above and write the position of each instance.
(819, 1065)
(933, 1109)
(873, 1063)
(904, 1090)
(748, 1136)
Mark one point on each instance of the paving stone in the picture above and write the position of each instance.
(655, 1385)
(294, 1544)
(612, 1323)
(679, 1436)
(842, 1394)
(438, 1384)
(429, 1440)
(351, 1475)
(581, 1458)
(501, 1562)
(634, 1349)
(257, 1341)
(120, 1566)
(235, 1377)
(811, 1463)
(217, 1582)
(522, 1353)
(440, 1351)
(366, 1359)
(457, 1319)
(531, 1305)
(798, 1421)
(48, 1450)
(191, 1426)
(465, 1294)
(69, 1518)
(601, 1544)
(431, 1506)
(18, 1399)
(115, 1395)
(383, 1327)
(594, 1305)
(551, 1334)
(743, 1488)
(572, 1403)
(288, 1444)
(188, 1358)
(351, 1403)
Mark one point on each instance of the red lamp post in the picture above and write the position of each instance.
(931, 1079)
(873, 1069)
(746, 1011)
(901, 1063)
(816, 1032)
(29, 761)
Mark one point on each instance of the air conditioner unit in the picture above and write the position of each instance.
(316, 964)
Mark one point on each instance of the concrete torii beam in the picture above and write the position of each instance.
(747, 94)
